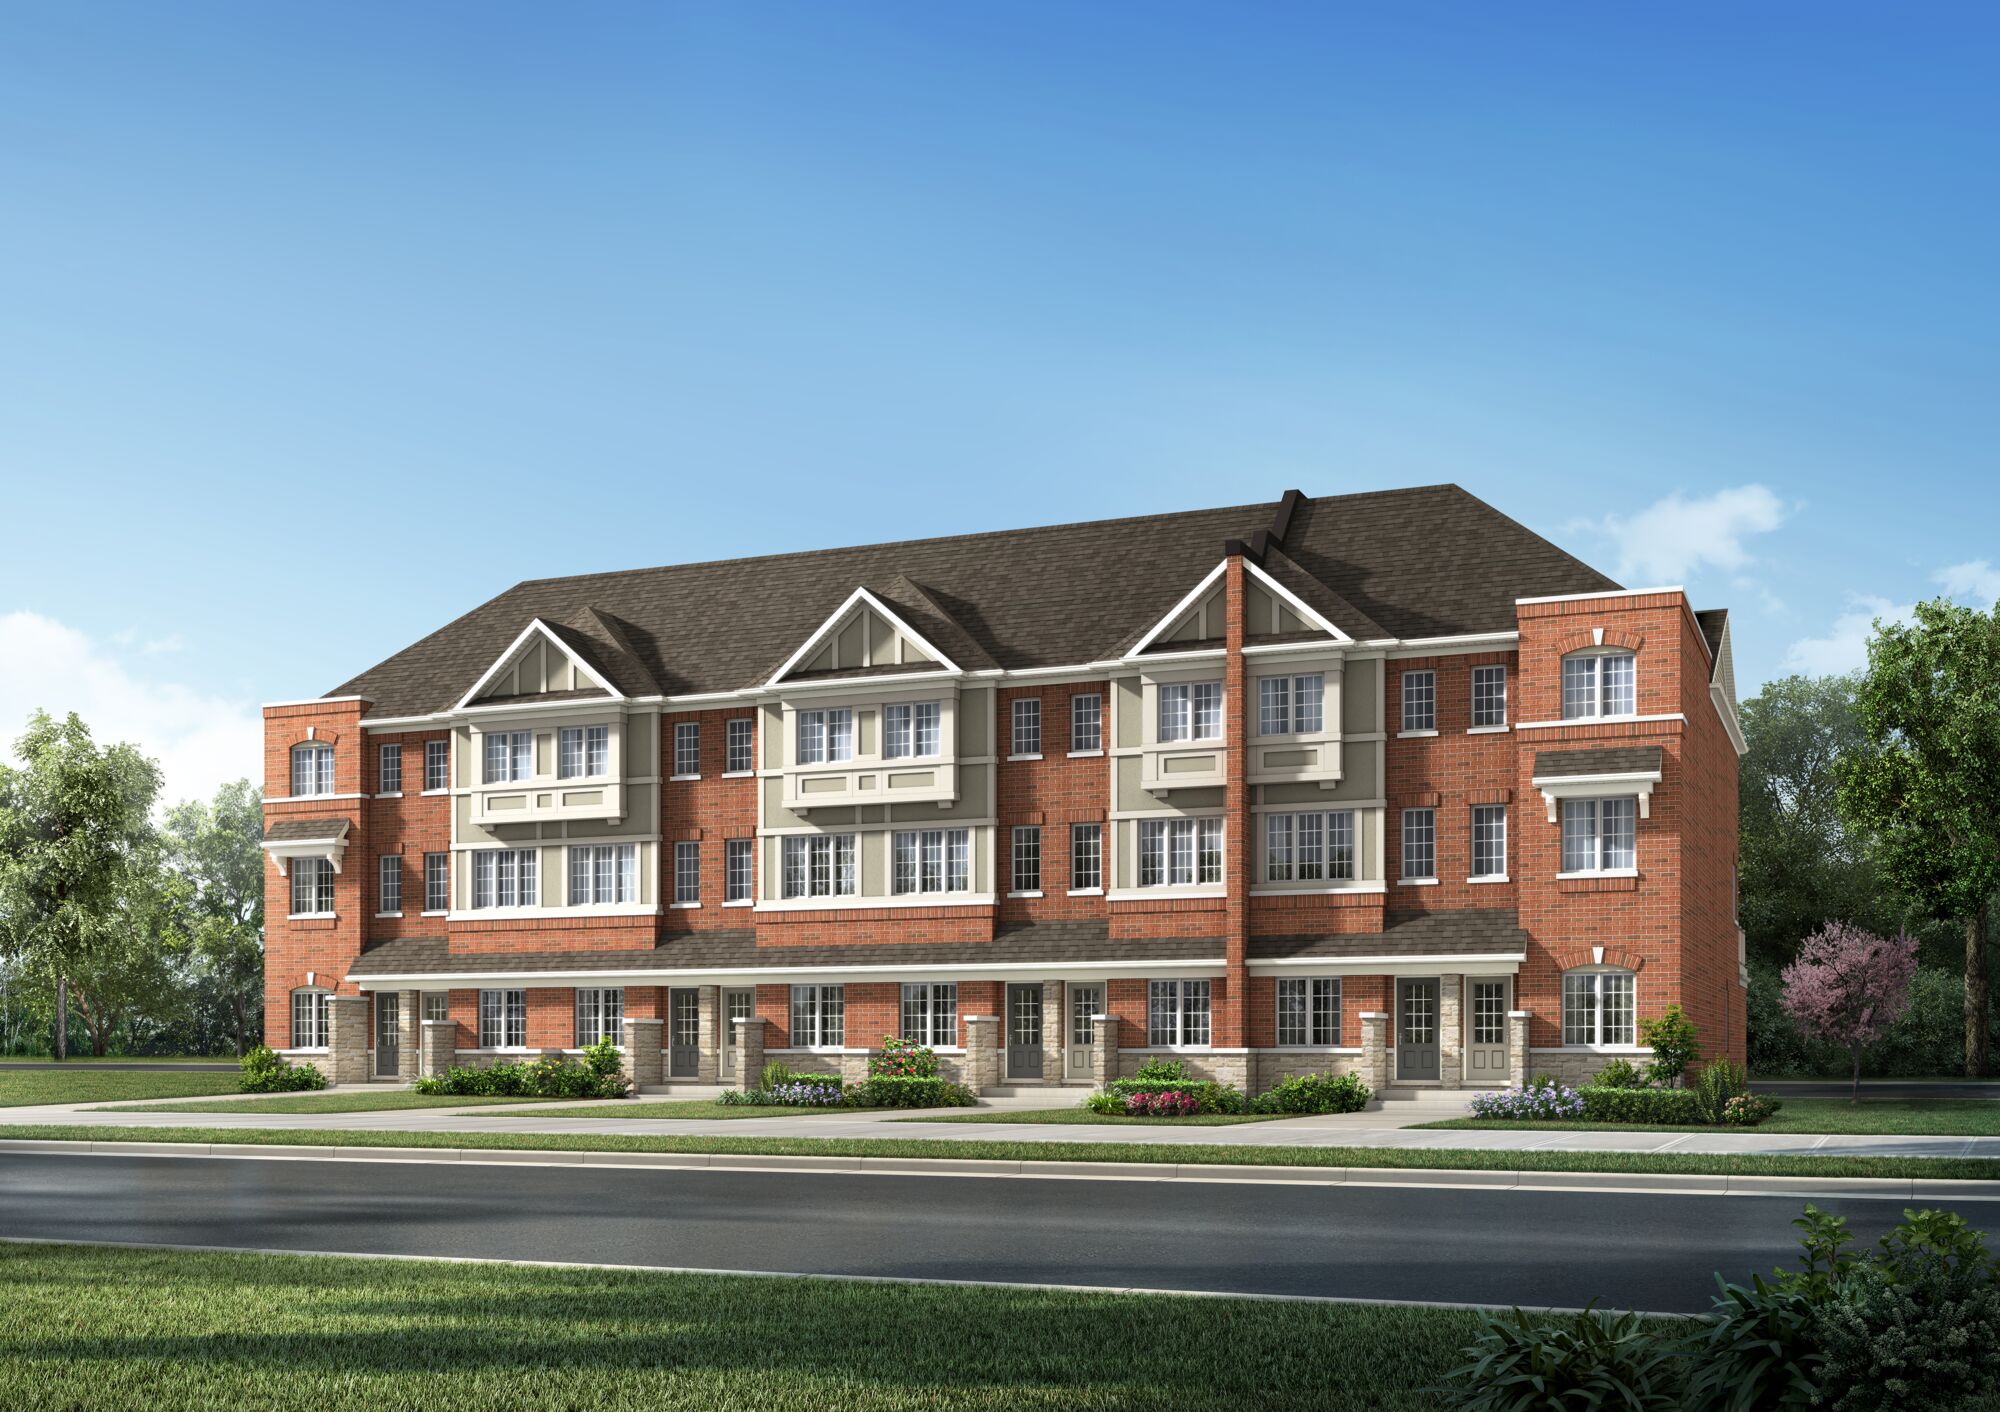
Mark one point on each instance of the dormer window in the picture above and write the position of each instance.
(825, 736)
(910, 732)
(1599, 684)
(582, 752)
(509, 756)
(1191, 711)
(312, 769)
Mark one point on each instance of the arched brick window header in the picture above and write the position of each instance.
(1578, 956)
(1585, 640)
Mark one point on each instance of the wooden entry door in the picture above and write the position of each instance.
(1417, 1048)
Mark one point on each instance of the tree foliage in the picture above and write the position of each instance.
(1848, 986)
(216, 879)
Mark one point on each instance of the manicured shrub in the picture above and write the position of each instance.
(1747, 1110)
(266, 1071)
(1162, 1103)
(1670, 1107)
(1620, 1073)
(1211, 1097)
(600, 1075)
(902, 1059)
(1314, 1093)
(1163, 1071)
(891, 1091)
(1525, 1363)
(1544, 1098)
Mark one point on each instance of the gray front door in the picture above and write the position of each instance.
(1024, 1031)
(684, 1034)
(736, 1005)
(1416, 1029)
(1084, 1002)
(1486, 1031)
(388, 1033)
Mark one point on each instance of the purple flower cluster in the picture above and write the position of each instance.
(1547, 1100)
(807, 1095)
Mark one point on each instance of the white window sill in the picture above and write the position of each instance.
(671, 779)
(1086, 892)
(390, 794)
(1596, 1049)
(438, 913)
(430, 792)
(1416, 882)
(1487, 730)
(741, 902)
(738, 774)
(684, 906)
(1026, 892)
(309, 798)
(1490, 878)
(1414, 735)
(1312, 1049)
(1085, 754)
(388, 914)
(1034, 756)
(310, 916)
(309, 1049)
(1599, 873)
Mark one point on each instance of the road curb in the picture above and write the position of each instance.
(1661, 1184)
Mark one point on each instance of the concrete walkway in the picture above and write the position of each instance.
(1376, 1128)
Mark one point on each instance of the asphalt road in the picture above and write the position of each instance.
(1530, 1248)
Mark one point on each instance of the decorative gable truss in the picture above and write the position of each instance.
(546, 662)
(1270, 609)
(865, 632)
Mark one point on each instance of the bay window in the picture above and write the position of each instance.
(1291, 705)
(825, 737)
(910, 732)
(1191, 711)
(510, 755)
(583, 752)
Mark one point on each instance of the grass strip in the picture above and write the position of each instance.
(304, 1333)
(1189, 1154)
(690, 1108)
(24, 1087)
(1907, 1117)
(317, 1103)
(1083, 1117)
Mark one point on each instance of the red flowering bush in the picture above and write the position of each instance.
(902, 1059)
(1162, 1103)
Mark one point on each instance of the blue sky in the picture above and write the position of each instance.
(318, 324)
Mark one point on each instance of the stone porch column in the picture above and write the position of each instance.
(709, 1066)
(1375, 1049)
(749, 1042)
(410, 1040)
(982, 1052)
(644, 1065)
(1451, 1031)
(1103, 1049)
(440, 1046)
(1517, 1047)
(347, 1038)
(1055, 1033)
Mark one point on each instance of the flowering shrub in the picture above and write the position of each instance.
(789, 1091)
(800, 1093)
(1539, 1100)
(902, 1059)
(1211, 1097)
(1748, 1110)
(1162, 1103)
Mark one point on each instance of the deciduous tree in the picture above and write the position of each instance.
(1849, 985)
(217, 874)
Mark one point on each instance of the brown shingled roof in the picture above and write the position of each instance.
(1476, 931)
(292, 829)
(1612, 760)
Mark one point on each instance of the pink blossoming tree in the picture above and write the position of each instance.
(1849, 985)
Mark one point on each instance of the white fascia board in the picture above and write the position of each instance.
(1604, 593)
(727, 975)
(862, 595)
(1730, 724)
(534, 626)
(1297, 602)
(1188, 601)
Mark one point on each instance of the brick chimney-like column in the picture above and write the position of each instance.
(1231, 1027)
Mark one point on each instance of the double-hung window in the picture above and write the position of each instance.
(312, 887)
(687, 748)
(930, 1013)
(389, 774)
(1419, 845)
(910, 730)
(687, 873)
(510, 755)
(819, 1016)
(312, 769)
(739, 735)
(820, 865)
(1291, 705)
(1489, 840)
(1489, 697)
(1086, 723)
(931, 860)
(437, 882)
(737, 854)
(437, 765)
(503, 1019)
(1309, 1011)
(1086, 857)
(1309, 847)
(1190, 711)
(1420, 701)
(1027, 720)
(389, 893)
(826, 737)
(1177, 1013)
(503, 877)
(1599, 835)
(1599, 684)
(1179, 852)
(600, 1015)
(602, 873)
(1598, 1007)
(583, 752)
(1028, 858)
(309, 1019)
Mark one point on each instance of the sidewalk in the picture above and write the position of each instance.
(1370, 1129)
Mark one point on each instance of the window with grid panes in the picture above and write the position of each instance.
(1420, 701)
(1309, 1011)
(1489, 696)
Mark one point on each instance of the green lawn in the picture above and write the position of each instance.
(1084, 1115)
(694, 1108)
(121, 1059)
(1186, 1154)
(291, 1332)
(1922, 1117)
(84, 1085)
(348, 1102)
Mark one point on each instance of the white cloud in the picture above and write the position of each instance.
(1976, 583)
(1669, 539)
(201, 739)
(1845, 647)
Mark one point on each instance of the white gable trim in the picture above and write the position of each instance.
(840, 616)
(1297, 603)
(501, 663)
(1166, 624)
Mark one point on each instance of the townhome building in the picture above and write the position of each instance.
(1377, 782)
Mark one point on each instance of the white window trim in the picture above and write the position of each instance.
(1079, 755)
(310, 916)
(726, 774)
(1035, 756)
(1083, 892)
(1599, 873)
(1415, 735)
(1489, 878)
(1487, 730)
(388, 914)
